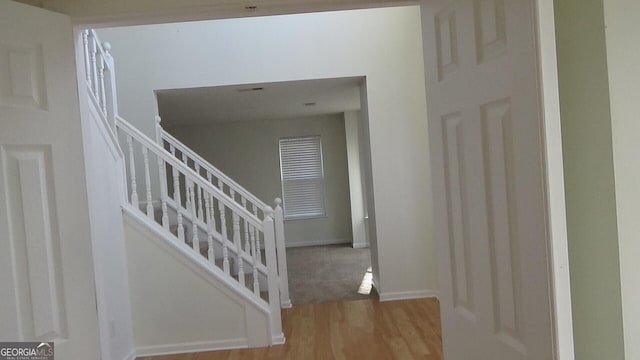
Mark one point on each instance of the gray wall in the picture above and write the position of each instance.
(589, 180)
(248, 153)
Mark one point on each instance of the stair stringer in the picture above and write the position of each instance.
(183, 304)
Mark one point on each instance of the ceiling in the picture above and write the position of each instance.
(254, 102)
(99, 13)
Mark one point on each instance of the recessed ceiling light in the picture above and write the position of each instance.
(309, 104)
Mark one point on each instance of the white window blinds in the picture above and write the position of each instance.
(302, 177)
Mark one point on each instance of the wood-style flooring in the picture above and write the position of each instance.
(362, 329)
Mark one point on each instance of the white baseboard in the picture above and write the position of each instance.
(131, 355)
(278, 339)
(156, 350)
(285, 304)
(408, 295)
(360, 245)
(317, 242)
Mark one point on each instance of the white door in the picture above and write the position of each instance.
(46, 270)
(485, 130)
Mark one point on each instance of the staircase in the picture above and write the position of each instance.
(189, 203)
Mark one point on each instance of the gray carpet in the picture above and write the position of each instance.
(319, 274)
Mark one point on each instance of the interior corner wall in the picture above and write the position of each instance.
(589, 180)
(370, 204)
(248, 152)
(384, 45)
(623, 61)
(352, 129)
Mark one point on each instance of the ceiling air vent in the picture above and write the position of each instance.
(250, 89)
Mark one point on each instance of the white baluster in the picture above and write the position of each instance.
(210, 226)
(132, 173)
(187, 200)
(223, 232)
(94, 68)
(87, 64)
(163, 192)
(199, 212)
(257, 237)
(220, 185)
(147, 179)
(254, 256)
(247, 245)
(194, 219)
(102, 95)
(176, 198)
(238, 244)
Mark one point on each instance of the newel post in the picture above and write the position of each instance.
(159, 140)
(111, 99)
(283, 275)
(272, 272)
(164, 190)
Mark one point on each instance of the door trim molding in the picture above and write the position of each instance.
(557, 245)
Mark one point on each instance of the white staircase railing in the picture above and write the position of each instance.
(199, 215)
(235, 192)
(100, 76)
(194, 202)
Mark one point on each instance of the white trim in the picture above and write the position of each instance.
(131, 355)
(360, 245)
(278, 339)
(105, 130)
(286, 305)
(181, 348)
(292, 244)
(557, 243)
(408, 295)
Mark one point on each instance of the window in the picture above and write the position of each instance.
(302, 177)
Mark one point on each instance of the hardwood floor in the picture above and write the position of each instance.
(362, 329)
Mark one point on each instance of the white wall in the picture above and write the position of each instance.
(385, 45)
(104, 183)
(178, 306)
(352, 125)
(623, 60)
(248, 153)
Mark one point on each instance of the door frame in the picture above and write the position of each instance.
(557, 246)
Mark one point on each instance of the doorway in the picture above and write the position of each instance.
(401, 234)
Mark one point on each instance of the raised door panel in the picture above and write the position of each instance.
(33, 244)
